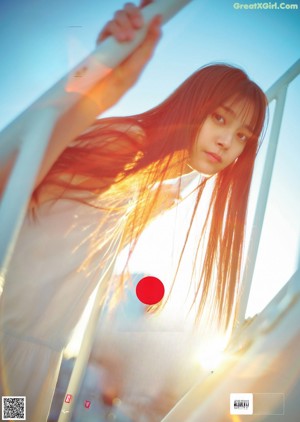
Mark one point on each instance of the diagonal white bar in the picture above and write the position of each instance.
(15, 197)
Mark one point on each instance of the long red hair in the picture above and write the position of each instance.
(140, 152)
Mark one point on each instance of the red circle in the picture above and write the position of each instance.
(150, 290)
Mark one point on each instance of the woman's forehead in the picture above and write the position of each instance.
(242, 109)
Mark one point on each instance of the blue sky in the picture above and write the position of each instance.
(41, 40)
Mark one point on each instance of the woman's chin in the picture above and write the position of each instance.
(204, 170)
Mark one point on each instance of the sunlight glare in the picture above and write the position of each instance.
(212, 354)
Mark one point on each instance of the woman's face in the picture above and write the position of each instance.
(221, 138)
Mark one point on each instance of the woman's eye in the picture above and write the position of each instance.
(242, 137)
(218, 118)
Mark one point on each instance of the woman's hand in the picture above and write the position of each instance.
(123, 27)
(125, 22)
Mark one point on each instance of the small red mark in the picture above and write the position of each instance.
(150, 290)
(68, 398)
(87, 404)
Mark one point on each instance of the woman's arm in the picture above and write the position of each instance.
(105, 94)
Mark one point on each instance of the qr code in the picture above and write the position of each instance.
(13, 408)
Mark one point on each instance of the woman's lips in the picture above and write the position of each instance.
(214, 158)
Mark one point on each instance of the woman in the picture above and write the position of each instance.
(96, 193)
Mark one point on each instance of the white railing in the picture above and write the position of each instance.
(277, 92)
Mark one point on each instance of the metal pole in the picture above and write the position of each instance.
(278, 92)
(85, 348)
(15, 197)
(285, 79)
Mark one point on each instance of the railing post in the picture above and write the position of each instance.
(261, 205)
(276, 92)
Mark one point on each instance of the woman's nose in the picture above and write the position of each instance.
(225, 139)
